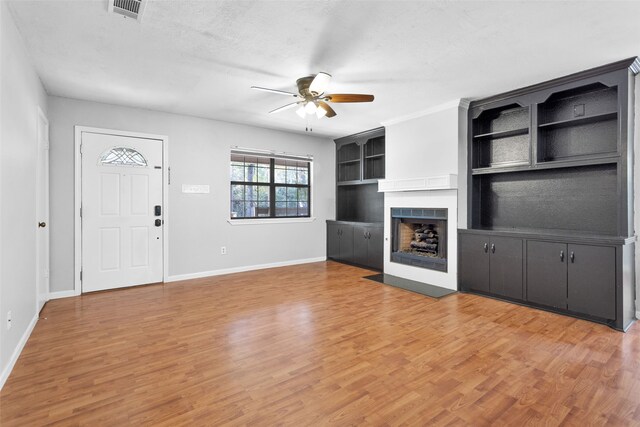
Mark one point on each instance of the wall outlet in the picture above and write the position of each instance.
(9, 317)
(223, 250)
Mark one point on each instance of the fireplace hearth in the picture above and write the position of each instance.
(419, 237)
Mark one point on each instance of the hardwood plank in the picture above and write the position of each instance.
(316, 344)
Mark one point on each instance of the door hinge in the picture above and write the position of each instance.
(81, 275)
(80, 211)
(169, 175)
(80, 148)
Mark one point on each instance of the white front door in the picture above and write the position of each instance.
(42, 212)
(121, 211)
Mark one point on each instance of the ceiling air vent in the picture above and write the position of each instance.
(128, 8)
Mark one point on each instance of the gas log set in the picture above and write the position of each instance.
(425, 241)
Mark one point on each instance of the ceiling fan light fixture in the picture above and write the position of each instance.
(301, 111)
(310, 108)
(320, 112)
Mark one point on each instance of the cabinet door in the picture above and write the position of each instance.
(376, 248)
(473, 266)
(592, 280)
(346, 243)
(360, 243)
(547, 273)
(506, 267)
(333, 241)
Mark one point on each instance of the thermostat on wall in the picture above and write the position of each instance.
(195, 189)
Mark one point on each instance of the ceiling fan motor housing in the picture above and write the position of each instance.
(303, 84)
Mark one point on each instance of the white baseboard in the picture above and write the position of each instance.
(201, 274)
(62, 294)
(16, 353)
(637, 314)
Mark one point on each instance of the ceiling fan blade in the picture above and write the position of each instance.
(327, 108)
(348, 97)
(320, 83)
(280, 92)
(285, 107)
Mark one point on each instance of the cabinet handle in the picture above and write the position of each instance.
(493, 248)
(561, 256)
(339, 232)
(368, 235)
(486, 248)
(572, 256)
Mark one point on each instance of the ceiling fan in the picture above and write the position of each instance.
(312, 98)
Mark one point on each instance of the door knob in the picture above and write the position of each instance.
(561, 255)
(493, 248)
(572, 256)
(158, 222)
(42, 224)
(486, 247)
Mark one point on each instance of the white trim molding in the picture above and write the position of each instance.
(436, 109)
(428, 183)
(255, 221)
(16, 353)
(77, 288)
(189, 276)
(62, 294)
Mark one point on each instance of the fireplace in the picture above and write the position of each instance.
(419, 237)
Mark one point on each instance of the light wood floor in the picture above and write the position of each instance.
(316, 345)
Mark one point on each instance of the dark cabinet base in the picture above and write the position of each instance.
(356, 243)
(587, 277)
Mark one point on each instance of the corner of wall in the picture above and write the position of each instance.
(463, 111)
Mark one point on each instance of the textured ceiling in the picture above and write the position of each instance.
(200, 57)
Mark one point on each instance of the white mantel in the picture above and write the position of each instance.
(428, 183)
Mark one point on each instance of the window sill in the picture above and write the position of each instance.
(269, 220)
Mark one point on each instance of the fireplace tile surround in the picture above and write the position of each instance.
(419, 237)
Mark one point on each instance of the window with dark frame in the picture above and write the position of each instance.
(269, 187)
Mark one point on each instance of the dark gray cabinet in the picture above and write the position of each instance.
(492, 265)
(506, 267)
(473, 273)
(356, 243)
(340, 241)
(360, 162)
(591, 273)
(579, 278)
(368, 246)
(547, 273)
(552, 164)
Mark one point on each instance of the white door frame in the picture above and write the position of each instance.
(45, 120)
(77, 289)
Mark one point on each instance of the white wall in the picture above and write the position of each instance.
(21, 92)
(424, 146)
(198, 154)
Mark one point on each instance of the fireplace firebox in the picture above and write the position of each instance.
(419, 237)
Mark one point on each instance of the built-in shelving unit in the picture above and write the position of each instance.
(553, 163)
(356, 235)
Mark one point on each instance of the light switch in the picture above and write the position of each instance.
(195, 189)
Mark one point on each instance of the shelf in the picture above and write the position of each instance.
(525, 166)
(556, 164)
(502, 133)
(346, 162)
(579, 121)
(374, 156)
